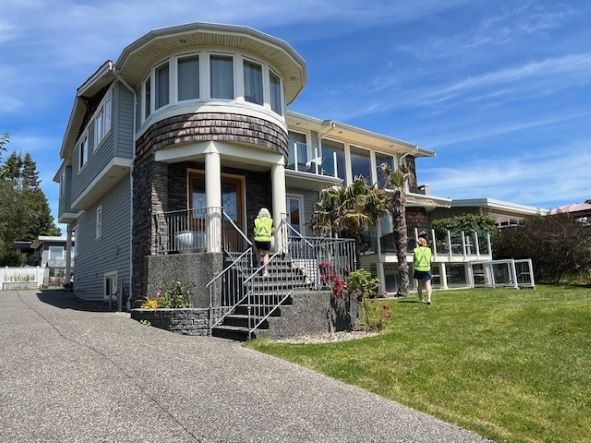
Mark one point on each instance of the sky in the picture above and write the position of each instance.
(500, 90)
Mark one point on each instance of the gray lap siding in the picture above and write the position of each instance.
(110, 253)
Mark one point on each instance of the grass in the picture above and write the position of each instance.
(509, 365)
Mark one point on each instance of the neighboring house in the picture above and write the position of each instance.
(50, 252)
(177, 145)
(504, 213)
(580, 211)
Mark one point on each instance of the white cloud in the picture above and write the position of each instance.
(536, 178)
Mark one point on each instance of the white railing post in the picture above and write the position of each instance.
(464, 244)
(316, 159)
(434, 242)
(489, 245)
(449, 244)
(531, 272)
(295, 155)
(443, 275)
(476, 245)
(514, 274)
(335, 164)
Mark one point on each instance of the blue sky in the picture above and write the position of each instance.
(500, 90)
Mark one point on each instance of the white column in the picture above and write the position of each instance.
(443, 275)
(68, 253)
(213, 199)
(279, 202)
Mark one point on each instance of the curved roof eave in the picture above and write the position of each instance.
(215, 28)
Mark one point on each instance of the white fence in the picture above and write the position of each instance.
(21, 278)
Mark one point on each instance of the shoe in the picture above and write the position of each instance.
(428, 302)
(265, 274)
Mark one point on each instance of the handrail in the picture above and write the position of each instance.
(228, 267)
(284, 221)
(237, 228)
(261, 267)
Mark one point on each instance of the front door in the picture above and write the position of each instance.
(232, 203)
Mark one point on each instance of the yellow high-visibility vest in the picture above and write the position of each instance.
(263, 229)
(422, 259)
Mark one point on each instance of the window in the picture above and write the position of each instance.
(360, 163)
(162, 83)
(83, 152)
(380, 159)
(56, 253)
(333, 159)
(99, 222)
(221, 73)
(253, 82)
(102, 122)
(147, 98)
(188, 78)
(62, 182)
(298, 152)
(275, 89)
(110, 284)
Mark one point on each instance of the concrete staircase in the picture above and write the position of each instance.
(270, 294)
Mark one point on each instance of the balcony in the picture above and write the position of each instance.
(307, 162)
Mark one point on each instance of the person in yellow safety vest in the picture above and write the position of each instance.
(422, 269)
(263, 234)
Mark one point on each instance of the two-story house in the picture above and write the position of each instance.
(171, 150)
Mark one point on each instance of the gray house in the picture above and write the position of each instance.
(170, 152)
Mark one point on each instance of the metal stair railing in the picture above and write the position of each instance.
(227, 289)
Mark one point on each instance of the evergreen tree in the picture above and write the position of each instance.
(29, 173)
(24, 211)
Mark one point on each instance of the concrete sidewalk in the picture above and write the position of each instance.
(69, 374)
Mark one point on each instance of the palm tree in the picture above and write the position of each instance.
(396, 183)
(348, 211)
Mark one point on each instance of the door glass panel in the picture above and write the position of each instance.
(230, 200)
(294, 214)
(198, 202)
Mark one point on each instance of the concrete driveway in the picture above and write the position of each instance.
(70, 374)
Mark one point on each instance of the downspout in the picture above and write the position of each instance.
(124, 83)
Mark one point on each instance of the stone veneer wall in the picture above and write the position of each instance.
(416, 218)
(191, 128)
(181, 321)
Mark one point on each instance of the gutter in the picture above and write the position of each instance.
(133, 138)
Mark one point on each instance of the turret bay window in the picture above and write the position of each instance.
(221, 76)
(188, 78)
(380, 159)
(162, 86)
(360, 164)
(333, 159)
(147, 97)
(253, 82)
(275, 91)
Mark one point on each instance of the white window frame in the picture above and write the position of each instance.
(83, 152)
(143, 117)
(99, 223)
(114, 278)
(281, 92)
(175, 84)
(102, 125)
(266, 98)
(170, 80)
(350, 163)
(237, 73)
(309, 147)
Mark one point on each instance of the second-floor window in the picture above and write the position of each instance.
(383, 159)
(102, 121)
(188, 78)
(62, 182)
(253, 82)
(99, 222)
(162, 83)
(56, 253)
(221, 76)
(83, 152)
(333, 159)
(360, 163)
(147, 97)
(275, 91)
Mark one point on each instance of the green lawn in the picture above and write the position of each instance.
(509, 365)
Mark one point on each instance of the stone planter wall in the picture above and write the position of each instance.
(193, 321)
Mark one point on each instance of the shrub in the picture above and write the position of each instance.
(558, 246)
(374, 315)
(173, 295)
(361, 284)
(466, 223)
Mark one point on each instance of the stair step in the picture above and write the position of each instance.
(243, 309)
(267, 299)
(232, 332)
(242, 321)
